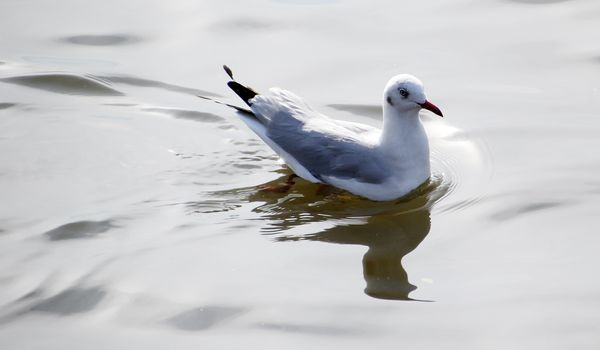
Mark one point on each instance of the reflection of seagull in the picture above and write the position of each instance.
(378, 164)
(389, 230)
(389, 238)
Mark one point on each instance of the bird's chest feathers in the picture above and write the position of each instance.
(408, 158)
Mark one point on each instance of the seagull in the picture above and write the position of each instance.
(379, 164)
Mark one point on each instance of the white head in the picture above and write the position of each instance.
(405, 92)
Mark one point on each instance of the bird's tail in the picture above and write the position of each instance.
(244, 92)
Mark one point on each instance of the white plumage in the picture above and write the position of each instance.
(379, 164)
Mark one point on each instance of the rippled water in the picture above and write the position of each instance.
(131, 213)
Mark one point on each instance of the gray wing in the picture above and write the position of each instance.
(322, 145)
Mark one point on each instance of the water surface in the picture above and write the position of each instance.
(131, 214)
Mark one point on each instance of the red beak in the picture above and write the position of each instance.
(431, 107)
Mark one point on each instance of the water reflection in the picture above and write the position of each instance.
(389, 238)
(64, 83)
(101, 40)
(390, 230)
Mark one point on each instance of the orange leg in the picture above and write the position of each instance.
(324, 190)
(281, 188)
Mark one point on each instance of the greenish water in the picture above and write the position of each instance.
(131, 216)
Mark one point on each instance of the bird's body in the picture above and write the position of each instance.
(379, 164)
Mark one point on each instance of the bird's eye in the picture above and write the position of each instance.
(403, 93)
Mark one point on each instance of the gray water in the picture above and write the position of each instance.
(130, 209)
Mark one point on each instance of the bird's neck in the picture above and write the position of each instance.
(404, 141)
(401, 128)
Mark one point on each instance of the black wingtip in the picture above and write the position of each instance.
(245, 93)
(228, 71)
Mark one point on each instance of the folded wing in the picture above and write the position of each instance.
(323, 146)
